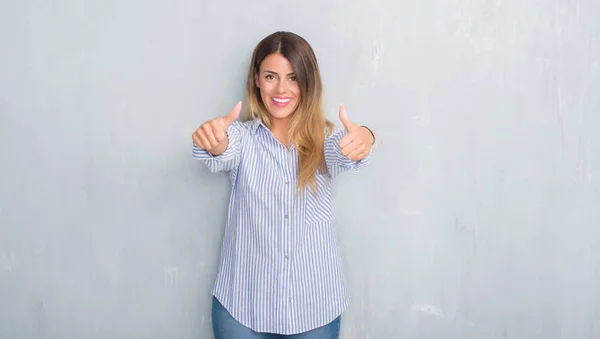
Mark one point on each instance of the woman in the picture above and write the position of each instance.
(280, 272)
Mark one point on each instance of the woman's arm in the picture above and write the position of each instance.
(348, 148)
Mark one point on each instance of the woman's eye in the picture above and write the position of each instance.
(269, 77)
(293, 78)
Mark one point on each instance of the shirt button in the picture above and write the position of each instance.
(286, 216)
(287, 182)
(287, 257)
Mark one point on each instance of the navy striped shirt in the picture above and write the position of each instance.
(280, 269)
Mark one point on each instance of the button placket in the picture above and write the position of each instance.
(286, 181)
(288, 214)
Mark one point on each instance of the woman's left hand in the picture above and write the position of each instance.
(357, 142)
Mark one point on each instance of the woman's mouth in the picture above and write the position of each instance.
(280, 102)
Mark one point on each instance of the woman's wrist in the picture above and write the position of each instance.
(372, 134)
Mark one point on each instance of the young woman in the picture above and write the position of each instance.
(280, 272)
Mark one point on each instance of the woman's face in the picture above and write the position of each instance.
(279, 89)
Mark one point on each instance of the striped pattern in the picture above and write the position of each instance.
(280, 269)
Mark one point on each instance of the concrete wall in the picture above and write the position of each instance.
(477, 219)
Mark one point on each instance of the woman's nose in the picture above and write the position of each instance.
(281, 86)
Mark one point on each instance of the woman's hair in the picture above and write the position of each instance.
(307, 123)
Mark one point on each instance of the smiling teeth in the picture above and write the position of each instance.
(281, 100)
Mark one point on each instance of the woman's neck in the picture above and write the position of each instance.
(279, 128)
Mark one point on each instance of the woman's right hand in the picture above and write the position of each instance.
(212, 136)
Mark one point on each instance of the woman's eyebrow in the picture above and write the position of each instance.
(267, 71)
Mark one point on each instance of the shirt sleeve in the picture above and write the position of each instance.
(336, 161)
(228, 160)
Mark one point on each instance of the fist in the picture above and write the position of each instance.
(356, 144)
(213, 132)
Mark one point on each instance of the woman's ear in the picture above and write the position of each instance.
(256, 82)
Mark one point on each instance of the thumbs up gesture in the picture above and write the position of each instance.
(212, 136)
(356, 144)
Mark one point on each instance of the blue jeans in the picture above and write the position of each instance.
(226, 327)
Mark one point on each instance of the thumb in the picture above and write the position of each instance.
(349, 125)
(233, 115)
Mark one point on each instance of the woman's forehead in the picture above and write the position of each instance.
(276, 63)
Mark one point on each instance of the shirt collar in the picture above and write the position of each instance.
(257, 123)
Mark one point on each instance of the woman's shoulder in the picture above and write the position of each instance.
(245, 126)
(333, 131)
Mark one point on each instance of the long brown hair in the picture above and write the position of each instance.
(307, 123)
